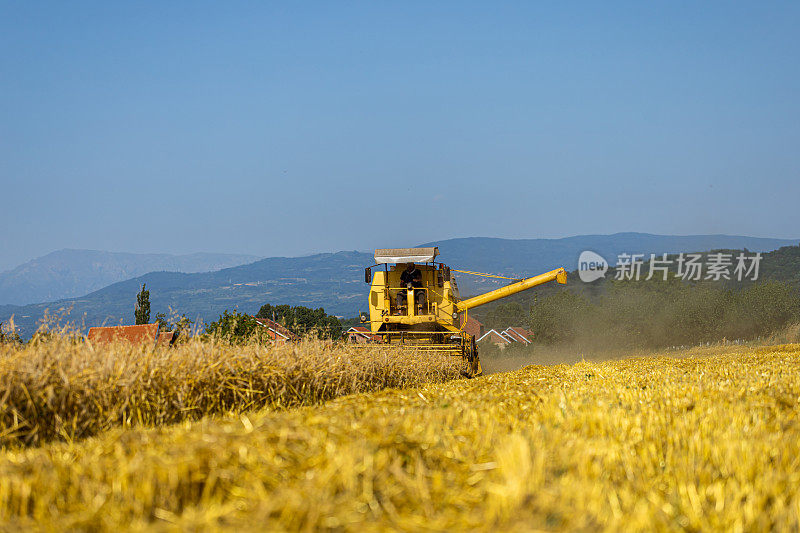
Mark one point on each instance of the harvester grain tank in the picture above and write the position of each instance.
(429, 312)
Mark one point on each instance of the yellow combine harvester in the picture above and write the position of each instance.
(414, 300)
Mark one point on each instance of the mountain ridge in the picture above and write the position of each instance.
(335, 280)
(71, 272)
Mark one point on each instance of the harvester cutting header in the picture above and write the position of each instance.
(414, 299)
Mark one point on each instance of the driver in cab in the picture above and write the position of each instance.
(411, 278)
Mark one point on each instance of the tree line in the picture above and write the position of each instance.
(654, 314)
(236, 327)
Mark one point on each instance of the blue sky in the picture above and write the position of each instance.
(289, 128)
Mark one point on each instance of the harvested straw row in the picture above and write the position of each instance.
(643, 444)
(63, 390)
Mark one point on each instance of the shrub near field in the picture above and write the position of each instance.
(708, 441)
(58, 389)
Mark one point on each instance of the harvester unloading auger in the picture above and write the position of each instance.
(429, 313)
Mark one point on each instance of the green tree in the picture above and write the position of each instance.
(505, 315)
(163, 323)
(182, 327)
(9, 334)
(762, 309)
(556, 318)
(303, 320)
(142, 310)
(656, 313)
(235, 327)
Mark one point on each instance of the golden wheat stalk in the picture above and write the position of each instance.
(657, 443)
(61, 389)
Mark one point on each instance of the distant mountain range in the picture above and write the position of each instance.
(335, 281)
(525, 257)
(70, 273)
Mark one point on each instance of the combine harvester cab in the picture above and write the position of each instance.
(414, 300)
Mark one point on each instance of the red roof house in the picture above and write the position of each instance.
(498, 339)
(474, 327)
(166, 338)
(519, 335)
(140, 334)
(360, 334)
(276, 331)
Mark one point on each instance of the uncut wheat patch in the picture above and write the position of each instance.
(65, 390)
(657, 443)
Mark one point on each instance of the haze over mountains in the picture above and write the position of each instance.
(335, 281)
(69, 273)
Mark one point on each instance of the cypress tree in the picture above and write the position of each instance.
(142, 310)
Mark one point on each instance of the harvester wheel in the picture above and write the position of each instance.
(473, 362)
(476, 362)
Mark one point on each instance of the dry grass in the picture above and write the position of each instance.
(65, 390)
(706, 441)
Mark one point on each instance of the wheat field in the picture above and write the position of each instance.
(700, 440)
(67, 390)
